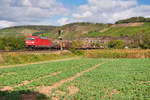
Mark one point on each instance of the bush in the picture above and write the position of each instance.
(145, 44)
(142, 40)
(116, 44)
(12, 43)
(76, 52)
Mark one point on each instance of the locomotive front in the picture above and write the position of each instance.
(31, 42)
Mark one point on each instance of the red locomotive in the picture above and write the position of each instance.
(38, 42)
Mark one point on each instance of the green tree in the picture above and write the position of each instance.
(116, 44)
(145, 41)
(2, 46)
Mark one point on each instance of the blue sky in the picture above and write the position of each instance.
(73, 3)
(70, 3)
(60, 12)
(144, 2)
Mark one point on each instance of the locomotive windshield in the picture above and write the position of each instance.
(31, 39)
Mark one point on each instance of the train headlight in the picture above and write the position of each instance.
(33, 42)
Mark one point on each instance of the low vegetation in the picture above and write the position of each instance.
(12, 43)
(117, 53)
(24, 58)
(122, 31)
(121, 79)
(88, 79)
(116, 44)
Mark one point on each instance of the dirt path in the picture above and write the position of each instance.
(19, 65)
(48, 89)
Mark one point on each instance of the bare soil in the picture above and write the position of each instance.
(127, 25)
(6, 88)
(105, 29)
(112, 92)
(73, 89)
(1, 58)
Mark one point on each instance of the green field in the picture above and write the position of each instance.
(79, 79)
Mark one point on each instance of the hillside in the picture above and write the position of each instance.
(120, 30)
(71, 31)
(127, 27)
(25, 30)
(77, 30)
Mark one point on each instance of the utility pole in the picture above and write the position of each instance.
(60, 39)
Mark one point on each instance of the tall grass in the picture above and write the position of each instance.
(117, 53)
(22, 58)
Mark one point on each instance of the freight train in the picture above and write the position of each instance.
(37, 42)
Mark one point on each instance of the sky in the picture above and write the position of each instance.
(61, 12)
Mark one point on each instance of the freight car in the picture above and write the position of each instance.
(33, 42)
(36, 42)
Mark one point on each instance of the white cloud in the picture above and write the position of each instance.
(109, 11)
(6, 24)
(30, 11)
(83, 15)
(24, 12)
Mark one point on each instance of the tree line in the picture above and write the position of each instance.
(133, 19)
(12, 43)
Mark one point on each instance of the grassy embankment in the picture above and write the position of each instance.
(24, 58)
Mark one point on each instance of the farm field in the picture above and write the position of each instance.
(78, 79)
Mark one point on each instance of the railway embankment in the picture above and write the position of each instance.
(25, 57)
(29, 57)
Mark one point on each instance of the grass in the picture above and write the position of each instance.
(116, 79)
(23, 58)
(117, 53)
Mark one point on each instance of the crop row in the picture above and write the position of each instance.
(124, 79)
(13, 76)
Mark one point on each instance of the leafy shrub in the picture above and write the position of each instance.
(145, 44)
(12, 43)
(116, 44)
(76, 52)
